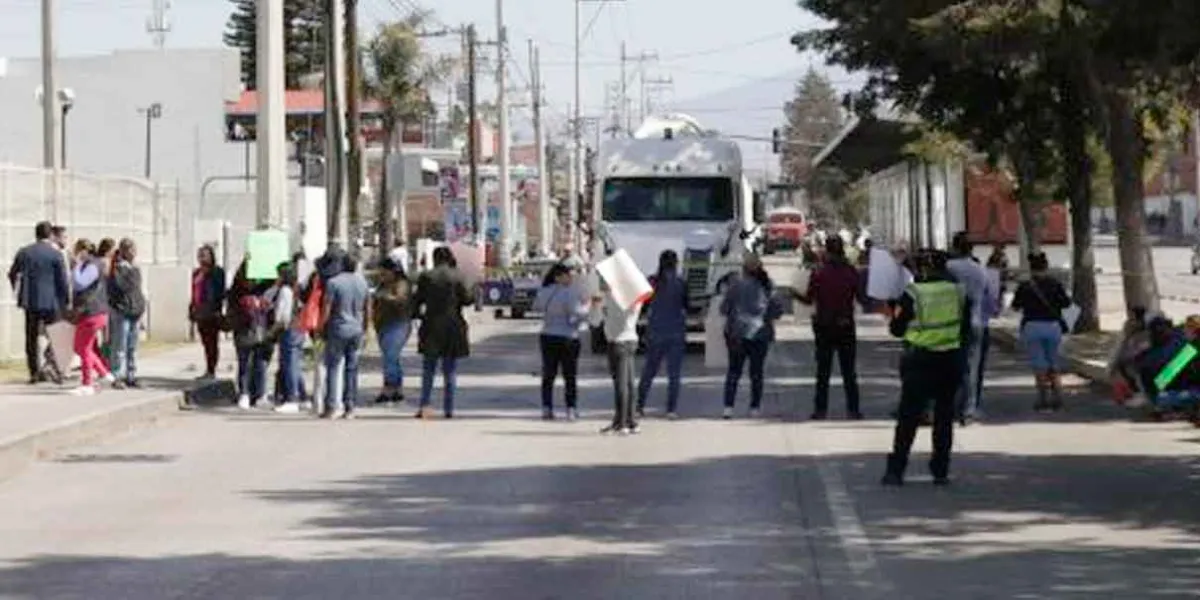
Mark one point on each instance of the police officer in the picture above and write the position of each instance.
(933, 319)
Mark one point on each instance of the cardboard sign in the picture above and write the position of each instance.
(267, 249)
(470, 260)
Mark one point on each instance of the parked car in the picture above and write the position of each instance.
(786, 230)
(526, 281)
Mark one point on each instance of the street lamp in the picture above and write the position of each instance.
(66, 100)
(152, 112)
(66, 97)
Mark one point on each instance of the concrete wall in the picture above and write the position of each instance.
(105, 132)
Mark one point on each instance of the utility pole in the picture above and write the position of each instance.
(539, 137)
(271, 134)
(504, 245)
(473, 134)
(335, 141)
(651, 88)
(50, 109)
(576, 134)
(623, 110)
(158, 25)
(354, 160)
(626, 102)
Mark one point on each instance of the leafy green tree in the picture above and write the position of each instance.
(400, 74)
(303, 39)
(812, 119)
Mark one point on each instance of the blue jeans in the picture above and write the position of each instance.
(1042, 339)
(124, 342)
(341, 372)
(740, 351)
(291, 376)
(672, 349)
(392, 339)
(449, 374)
(252, 371)
(972, 354)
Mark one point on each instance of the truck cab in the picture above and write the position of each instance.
(675, 186)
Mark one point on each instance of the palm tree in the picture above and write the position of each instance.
(399, 76)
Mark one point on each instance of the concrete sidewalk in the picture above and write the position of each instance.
(39, 421)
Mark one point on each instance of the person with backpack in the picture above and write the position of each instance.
(249, 318)
(128, 304)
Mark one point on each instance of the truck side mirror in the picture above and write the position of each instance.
(760, 208)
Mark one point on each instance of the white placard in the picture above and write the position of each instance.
(625, 280)
(470, 261)
(62, 343)
(885, 277)
(800, 279)
(716, 356)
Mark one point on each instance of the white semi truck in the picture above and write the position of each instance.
(674, 185)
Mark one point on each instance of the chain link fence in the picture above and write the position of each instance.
(89, 206)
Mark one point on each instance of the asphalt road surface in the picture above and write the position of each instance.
(497, 504)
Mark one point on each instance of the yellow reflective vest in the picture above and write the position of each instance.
(937, 324)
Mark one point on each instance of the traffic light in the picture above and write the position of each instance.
(776, 141)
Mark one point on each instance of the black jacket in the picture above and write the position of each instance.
(125, 290)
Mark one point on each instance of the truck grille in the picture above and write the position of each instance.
(695, 275)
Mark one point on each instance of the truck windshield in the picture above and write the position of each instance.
(668, 199)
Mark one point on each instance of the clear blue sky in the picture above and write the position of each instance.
(704, 45)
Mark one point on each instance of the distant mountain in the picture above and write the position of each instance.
(749, 110)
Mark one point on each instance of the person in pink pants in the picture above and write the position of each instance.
(90, 308)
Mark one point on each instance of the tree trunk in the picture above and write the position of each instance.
(1125, 145)
(383, 205)
(1027, 205)
(1077, 175)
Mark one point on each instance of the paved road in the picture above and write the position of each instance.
(499, 505)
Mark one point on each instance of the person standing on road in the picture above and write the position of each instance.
(128, 304)
(933, 318)
(248, 310)
(666, 331)
(620, 328)
(90, 312)
(204, 310)
(346, 299)
(972, 278)
(564, 308)
(284, 329)
(38, 276)
(1041, 301)
(391, 316)
(750, 313)
(834, 289)
(443, 337)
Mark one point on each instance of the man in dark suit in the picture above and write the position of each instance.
(39, 277)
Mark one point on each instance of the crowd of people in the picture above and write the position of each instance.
(98, 290)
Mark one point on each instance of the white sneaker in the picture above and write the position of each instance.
(727, 413)
(109, 379)
(288, 408)
(755, 413)
(83, 390)
(672, 416)
(307, 405)
(243, 402)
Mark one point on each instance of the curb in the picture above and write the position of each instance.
(1007, 339)
(19, 451)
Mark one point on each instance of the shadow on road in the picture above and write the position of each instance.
(1031, 527)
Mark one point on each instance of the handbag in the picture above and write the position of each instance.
(1072, 311)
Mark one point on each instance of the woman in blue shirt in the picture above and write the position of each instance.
(666, 333)
(750, 313)
(564, 307)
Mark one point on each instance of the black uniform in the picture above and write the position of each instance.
(926, 376)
